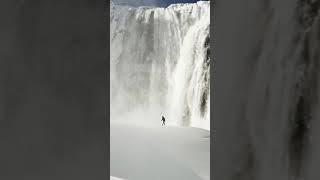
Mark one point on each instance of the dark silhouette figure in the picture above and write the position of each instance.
(163, 121)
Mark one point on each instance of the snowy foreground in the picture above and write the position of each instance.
(115, 178)
(158, 153)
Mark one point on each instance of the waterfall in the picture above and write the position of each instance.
(159, 59)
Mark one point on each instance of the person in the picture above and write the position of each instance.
(163, 121)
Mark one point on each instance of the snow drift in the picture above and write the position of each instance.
(160, 64)
(115, 178)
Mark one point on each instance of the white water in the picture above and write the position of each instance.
(160, 64)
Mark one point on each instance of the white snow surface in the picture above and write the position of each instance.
(158, 153)
(115, 178)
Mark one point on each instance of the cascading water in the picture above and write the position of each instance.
(160, 64)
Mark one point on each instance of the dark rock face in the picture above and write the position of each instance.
(53, 81)
(206, 74)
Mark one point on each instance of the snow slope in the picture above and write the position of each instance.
(159, 153)
(115, 178)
